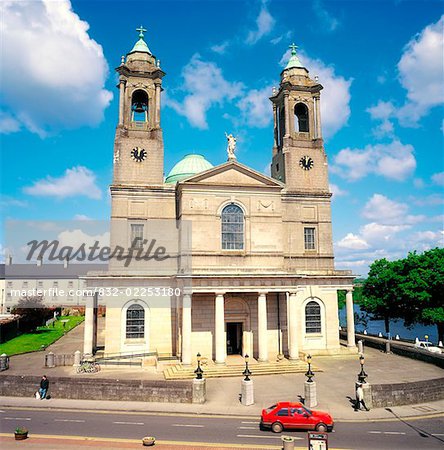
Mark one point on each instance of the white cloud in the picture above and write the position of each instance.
(81, 217)
(264, 25)
(8, 124)
(328, 22)
(438, 178)
(385, 211)
(53, 73)
(353, 242)
(220, 48)
(376, 233)
(205, 86)
(382, 110)
(393, 161)
(77, 181)
(337, 191)
(75, 238)
(255, 107)
(421, 72)
(428, 200)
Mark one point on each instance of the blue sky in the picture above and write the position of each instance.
(382, 104)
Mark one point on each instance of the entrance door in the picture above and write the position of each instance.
(234, 338)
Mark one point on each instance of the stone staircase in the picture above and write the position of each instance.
(179, 372)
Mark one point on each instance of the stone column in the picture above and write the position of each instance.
(219, 328)
(318, 118)
(158, 93)
(262, 326)
(287, 116)
(95, 320)
(186, 329)
(293, 326)
(121, 100)
(275, 131)
(88, 339)
(350, 319)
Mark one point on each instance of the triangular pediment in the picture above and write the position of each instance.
(232, 173)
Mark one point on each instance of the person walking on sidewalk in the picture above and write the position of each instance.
(360, 398)
(44, 386)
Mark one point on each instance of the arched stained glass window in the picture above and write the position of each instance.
(313, 317)
(135, 322)
(232, 228)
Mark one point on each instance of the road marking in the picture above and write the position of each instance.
(129, 423)
(17, 418)
(393, 432)
(257, 436)
(437, 434)
(187, 425)
(247, 428)
(375, 432)
(256, 423)
(69, 420)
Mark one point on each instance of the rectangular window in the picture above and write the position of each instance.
(309, 239)
(137, 235)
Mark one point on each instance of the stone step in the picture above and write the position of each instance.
(181, 373)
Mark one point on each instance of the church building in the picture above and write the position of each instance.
(260, 278)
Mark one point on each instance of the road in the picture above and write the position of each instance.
(397, 434)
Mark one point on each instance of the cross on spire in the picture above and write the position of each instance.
(293, 48)
(141, 30)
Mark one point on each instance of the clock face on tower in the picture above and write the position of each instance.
(138, 154)
(306, 163)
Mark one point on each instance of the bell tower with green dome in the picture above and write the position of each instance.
(299, 159)
(138, 144)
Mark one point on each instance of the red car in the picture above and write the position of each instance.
(295, 415)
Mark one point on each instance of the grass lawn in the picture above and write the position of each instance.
(31, 342)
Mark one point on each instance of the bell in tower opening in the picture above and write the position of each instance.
(139, 106)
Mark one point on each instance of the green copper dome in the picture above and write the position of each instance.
(294, 60)
(188, 166)
(140, 45)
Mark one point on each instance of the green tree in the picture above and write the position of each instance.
(380, 291)
(422, 290)
(32, 311)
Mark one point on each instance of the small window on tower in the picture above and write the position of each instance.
(139, 106)
(301, 118)
(309, 239)
(137, 235)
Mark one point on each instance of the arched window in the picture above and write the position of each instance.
(135, 322)
(313, 317)
(139, 106)
(232, 228)
(301, 118)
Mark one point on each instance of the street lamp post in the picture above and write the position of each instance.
(247, 371)
(198, 371)
(309, 374)
(362, 375)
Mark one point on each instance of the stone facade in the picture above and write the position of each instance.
(272, 293)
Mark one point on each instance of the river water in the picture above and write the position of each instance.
(396, 327)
